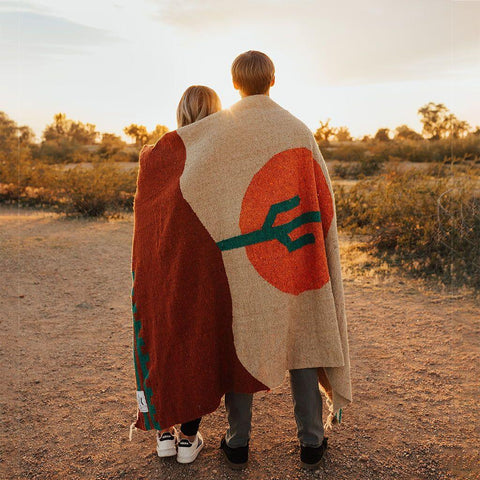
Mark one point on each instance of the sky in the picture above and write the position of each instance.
(367, 65)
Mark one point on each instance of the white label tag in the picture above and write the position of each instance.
(142, 401)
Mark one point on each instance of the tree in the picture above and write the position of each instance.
(456, 128)
(438, 122)
(139, 133)
(343, 134)
(8, 133)
(404, 132)
(15, 141)
(324, 132)
(110, 145)
(434, 120)
(382, 135)
(141, 136)
(157, 134)
(65, 130)
(15, 150)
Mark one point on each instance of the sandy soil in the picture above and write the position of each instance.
(68, 390)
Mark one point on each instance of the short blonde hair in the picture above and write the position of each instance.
(197, 102)
(253, 72)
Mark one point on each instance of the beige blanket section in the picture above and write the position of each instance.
(273, 331)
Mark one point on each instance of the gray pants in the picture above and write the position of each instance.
(307, 405)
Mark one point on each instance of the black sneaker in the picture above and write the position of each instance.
(311, 457)
(237, 458)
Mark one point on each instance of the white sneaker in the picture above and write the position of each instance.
(166, 443)
(187, 450)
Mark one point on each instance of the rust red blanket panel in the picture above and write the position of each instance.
(184, 352)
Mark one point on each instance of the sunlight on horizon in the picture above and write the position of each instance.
(362, 66)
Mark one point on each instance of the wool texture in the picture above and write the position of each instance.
(236, 269)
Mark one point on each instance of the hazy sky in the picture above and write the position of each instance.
(365, 64)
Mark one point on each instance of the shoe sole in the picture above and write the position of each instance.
(166, 453)
(234, 466)
(314, 466)
(191, 458)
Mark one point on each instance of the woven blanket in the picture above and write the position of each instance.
(235, 265)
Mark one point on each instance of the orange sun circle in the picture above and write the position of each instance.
(286, 175)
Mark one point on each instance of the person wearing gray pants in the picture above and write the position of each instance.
(307, 404)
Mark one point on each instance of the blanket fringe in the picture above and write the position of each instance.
(333, 417)
(132, 428)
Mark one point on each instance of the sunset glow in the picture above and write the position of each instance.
(365, 65)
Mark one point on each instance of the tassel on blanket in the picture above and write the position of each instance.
(132, 428)
(328, 424)
(333, 418)
(328, 401)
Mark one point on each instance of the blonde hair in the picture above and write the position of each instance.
(253, 72)
(197, 102)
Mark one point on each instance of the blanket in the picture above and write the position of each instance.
(236, 272)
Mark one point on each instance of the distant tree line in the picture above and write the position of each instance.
(438, 123)
(66, 140)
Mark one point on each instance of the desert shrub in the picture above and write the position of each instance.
(62, 151)
(27, 172)
(93, 191)
(39, 197)
(467, 148)
(130, 153)
(430, 226)
(445, 149)
(85, 191)
(112, 148)
(354, 170)
(127, 186)
(29, 183)
(452, 166)
(350, 152)
(9, 192)
(354, 160)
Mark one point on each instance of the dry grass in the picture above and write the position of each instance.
(428, 226)
(101, 189)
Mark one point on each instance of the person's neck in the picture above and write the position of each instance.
(244, 95)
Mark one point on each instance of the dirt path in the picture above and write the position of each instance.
(68, 390)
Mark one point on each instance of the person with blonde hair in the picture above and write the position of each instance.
(197, 102)
(236, 271)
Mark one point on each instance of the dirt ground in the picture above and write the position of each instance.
(68, 389)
